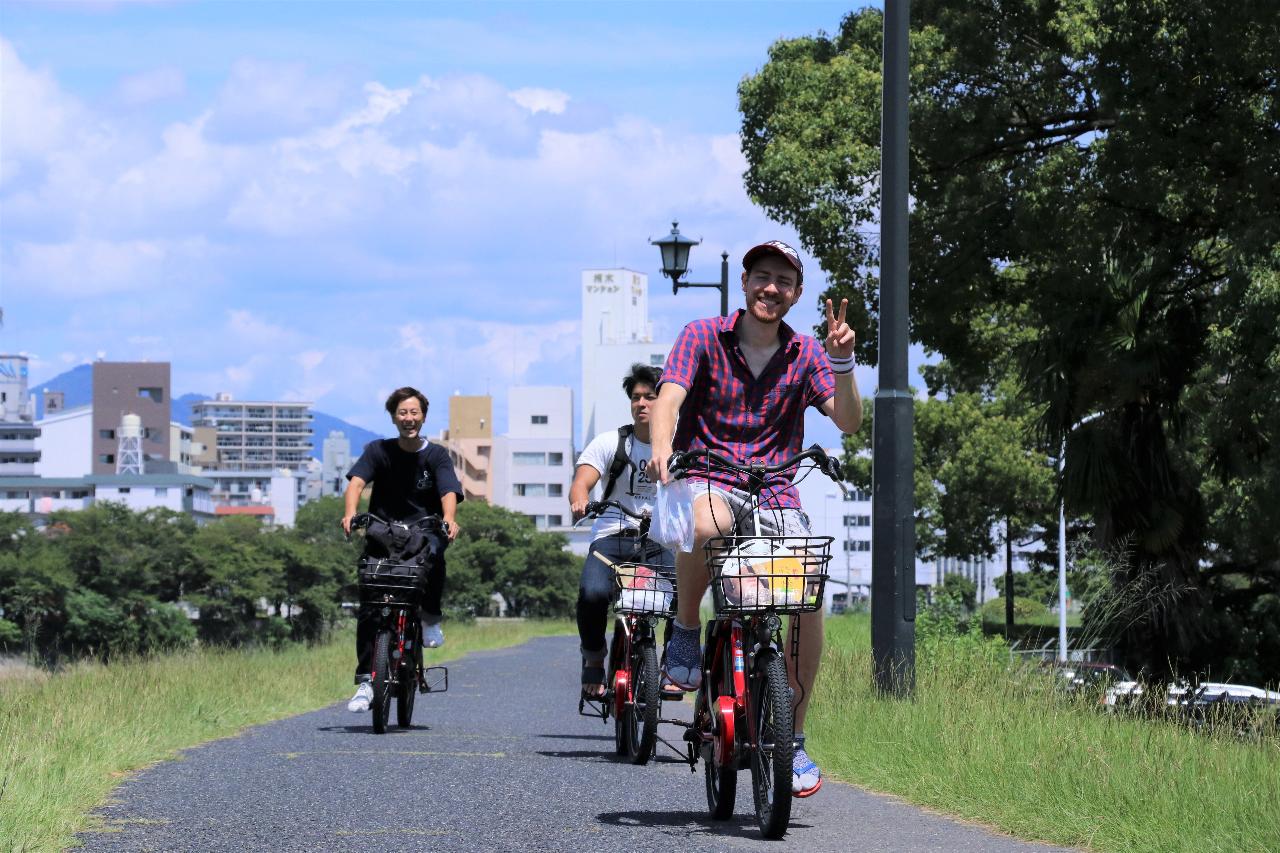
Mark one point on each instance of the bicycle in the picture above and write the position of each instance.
(643, 595)
(743, 711)
(397, 587)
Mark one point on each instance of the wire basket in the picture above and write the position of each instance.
(641, 590)
(388, 582)
(756, 574)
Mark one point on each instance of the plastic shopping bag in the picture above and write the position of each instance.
(673, 516)
(763, 573)
(645, 590)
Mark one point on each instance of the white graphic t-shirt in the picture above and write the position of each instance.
(633, 489)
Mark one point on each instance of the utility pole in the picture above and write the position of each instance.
(893, 583)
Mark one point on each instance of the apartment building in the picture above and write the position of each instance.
(616, 333)
(251, 435)
(533, 461)
(129, 388)
(469, 441)
(18, 432)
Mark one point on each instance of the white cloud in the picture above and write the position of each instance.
(541, 100)
(87, 267)
(150, 86)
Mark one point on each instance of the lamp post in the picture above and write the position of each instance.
(675, 263)
(893, 588)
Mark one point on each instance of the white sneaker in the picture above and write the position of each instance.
(432, 636)
(360, 702)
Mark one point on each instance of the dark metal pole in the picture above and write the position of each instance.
(724, 284)
(893, 587)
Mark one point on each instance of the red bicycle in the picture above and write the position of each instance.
(644, 594)
(744, 712)
(395, 589)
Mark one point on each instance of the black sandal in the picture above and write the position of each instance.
(593, 677)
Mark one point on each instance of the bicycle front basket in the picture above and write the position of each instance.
(383, 578)
(754, 574)
(641, 590)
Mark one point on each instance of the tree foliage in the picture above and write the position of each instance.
(107, 581)
(1103, 177)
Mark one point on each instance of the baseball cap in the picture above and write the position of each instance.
(775, 247)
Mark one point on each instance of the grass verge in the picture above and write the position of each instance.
(67, 739)
(981, 743)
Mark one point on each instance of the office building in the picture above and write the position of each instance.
(335, 464)
(40, 496)
(616, 333)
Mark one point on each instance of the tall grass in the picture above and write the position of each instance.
(990, 743)
(67, 739)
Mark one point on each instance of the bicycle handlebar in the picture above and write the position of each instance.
(682, 462)
(598, 507)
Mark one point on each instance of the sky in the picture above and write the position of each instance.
(325, 201)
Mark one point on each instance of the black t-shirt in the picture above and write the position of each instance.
(406, 485)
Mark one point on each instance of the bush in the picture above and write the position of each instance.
(1024, 610)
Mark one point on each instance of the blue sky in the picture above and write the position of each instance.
(325, 201)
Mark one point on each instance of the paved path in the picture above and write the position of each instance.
(500, 762)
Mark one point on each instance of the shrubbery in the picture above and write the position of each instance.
(107, 581)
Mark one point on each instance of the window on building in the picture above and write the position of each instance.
(858, 495)
(124, 490)
(857, 521)
(555, 490)
(538, 419)
(529, 490)
(108, 434)
(76, 494)
(555, 521)
(528, 458)
(657, 360)
(107, 458)
(155, 395)
(555, 458)
(857, 545)
(162, 491)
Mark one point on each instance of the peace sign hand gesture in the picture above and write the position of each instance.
(840, 337)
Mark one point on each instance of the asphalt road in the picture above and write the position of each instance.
(500, 762)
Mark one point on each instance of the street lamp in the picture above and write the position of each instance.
(675, 263)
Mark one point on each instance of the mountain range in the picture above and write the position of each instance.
(76, 386)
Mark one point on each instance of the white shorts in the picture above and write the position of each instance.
(787, 521)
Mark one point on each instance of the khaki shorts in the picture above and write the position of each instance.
(773, 522)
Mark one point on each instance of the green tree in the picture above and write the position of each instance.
(501, 551)
(1103, 173)
(233, 574)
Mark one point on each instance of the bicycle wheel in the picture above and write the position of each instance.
(642, 711)
(381, 705)
(406, 690)
(775, 747)
(721, 778)
(617, 699)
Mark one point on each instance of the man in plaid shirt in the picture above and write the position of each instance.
(740, 386)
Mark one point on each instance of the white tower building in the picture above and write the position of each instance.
(616, 333)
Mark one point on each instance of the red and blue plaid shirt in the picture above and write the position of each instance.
(749, 419)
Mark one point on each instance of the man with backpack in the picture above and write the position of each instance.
(412, 480)
(620, 456)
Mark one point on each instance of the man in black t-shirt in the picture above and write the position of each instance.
(411, 478)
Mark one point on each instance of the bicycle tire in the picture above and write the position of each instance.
(618, 661)
(642, 713)
(722, 780)
(774, 750)
(381, 705)
(406, 691)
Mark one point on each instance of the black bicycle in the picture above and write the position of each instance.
(395, 587)
(644, 594)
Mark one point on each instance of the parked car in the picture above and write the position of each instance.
(1091, 677)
